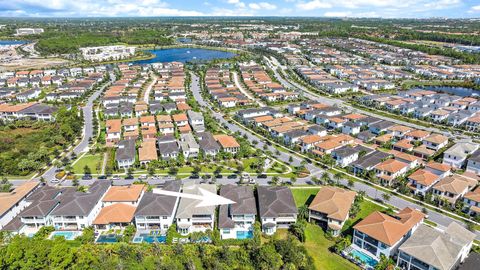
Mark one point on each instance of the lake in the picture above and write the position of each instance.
(459, 91)
(185, 55)
(12, 42)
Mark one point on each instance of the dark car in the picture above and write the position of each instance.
(102, 177)
(87, 177)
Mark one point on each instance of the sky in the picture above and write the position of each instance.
(316, 8)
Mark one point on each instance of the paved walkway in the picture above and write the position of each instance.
(244, 91)
(146, 95)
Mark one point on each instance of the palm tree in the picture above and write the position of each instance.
(325, 178)
(338, 176)
(386, 196)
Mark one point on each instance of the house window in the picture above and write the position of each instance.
(226, 231)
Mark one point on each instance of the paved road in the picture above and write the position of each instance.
(244, 91)
(274, 64)
(146, 96)
(284, 157)
(49, 174)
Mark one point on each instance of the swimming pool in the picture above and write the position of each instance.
(107, 238)
(364, 258)
(147, 238)
(244, 234)
(68, 235)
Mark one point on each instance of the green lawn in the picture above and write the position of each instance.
(89, 160)
(318, 247)
(304, 195)
(366, 208)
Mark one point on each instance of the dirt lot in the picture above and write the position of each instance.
(10, 59)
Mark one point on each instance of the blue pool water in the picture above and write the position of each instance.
(364, 258)
(67, 235)
(107, 239)
(147, 238)
(185, 55)
(244, 234)
(12, 42)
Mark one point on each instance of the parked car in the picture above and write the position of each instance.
(102, 177)
(87, 177)
(115, 177)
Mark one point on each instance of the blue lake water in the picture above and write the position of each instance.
(459, 91)
(12, 42)
(185, 55)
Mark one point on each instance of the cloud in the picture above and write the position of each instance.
(475, 9)
(315, 4)
(92, 8)
(262, 5)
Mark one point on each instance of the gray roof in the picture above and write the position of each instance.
(158, 205)
(371, 159)
(436, 248)
(475, 156)
(274, 201)
(43, 201)
(194, 115)
(382, 124)
(187, 207)
(462, 149)
(296, 133)
(80, 203)
(244, 204)
(126, 150)
(472, 262)
(168, 148)
(39, 109)
(207, 142)
(167, 138)
(366, 135)
(347, 150)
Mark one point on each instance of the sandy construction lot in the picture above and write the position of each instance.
(10, 59)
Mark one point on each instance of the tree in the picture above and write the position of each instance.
(87, 170)
(293, 180)
(302, 212)
(275, 180)
(326, 177)
(316, 180)
(60, 256)
(386, 196)
(5, 185)
(298, 230)
(266, 258)
(338, 176)
(351, 183)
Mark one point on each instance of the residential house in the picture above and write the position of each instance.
(456, 156)
(421, 181)
(125, 155)
(277, 208)
(331, 207)
(435, 141)
(472, 202)
(389, 170)
(369, 161)
(13, 202)
(473, 163)
(228, 143)
(118, 207)
(381, 234)
(430, 248)
(452, 188)
(79, 209)
(156, 211)
(207, 144)
(193, 218)
(235, 221)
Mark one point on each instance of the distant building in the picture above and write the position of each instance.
(29, 31)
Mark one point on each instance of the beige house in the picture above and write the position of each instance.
(331, 207)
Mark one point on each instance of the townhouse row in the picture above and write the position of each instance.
(261, 85)
(440, 108)
(222, 89)
(32, 206)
